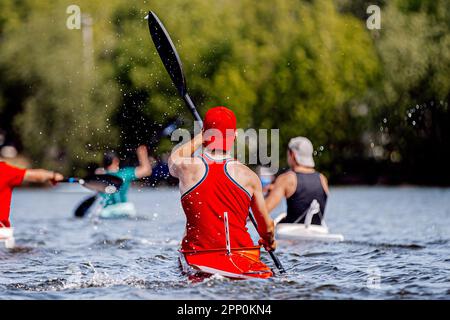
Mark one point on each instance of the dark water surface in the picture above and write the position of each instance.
(397, 247)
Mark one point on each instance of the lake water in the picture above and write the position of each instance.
(397, 247)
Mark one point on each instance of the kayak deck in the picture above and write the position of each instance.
(118, 211)
(298, 231)
(242, 263)
(7, 237)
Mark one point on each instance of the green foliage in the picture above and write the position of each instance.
(289, 65)
(306, 67)
(62, 104)
(412, 110)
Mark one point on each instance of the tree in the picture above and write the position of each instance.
(413, 114)
(61, 109)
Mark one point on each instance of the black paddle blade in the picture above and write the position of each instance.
(104, 183)
(84, 206)
(167, 52)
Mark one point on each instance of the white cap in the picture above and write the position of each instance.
(303, 151)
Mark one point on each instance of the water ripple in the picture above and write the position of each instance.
(396, 250)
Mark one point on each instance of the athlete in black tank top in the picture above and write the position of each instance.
(309, 188)
(300, 186)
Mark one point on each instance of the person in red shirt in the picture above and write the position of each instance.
(213, 184)
(11, 177)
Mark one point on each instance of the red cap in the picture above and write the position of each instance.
(220, 128)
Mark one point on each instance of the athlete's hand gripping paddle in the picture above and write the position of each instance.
(172, 63)
(104, 183)
(271, 253)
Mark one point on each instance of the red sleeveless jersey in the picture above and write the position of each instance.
(204, 205)
(10, 177)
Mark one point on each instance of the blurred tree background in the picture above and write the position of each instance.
(374, 102)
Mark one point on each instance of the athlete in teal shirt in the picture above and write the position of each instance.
(111, 163)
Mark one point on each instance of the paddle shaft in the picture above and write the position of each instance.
(271, 253)
(187, 99)
(73, 180)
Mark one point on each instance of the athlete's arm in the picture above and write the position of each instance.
(324, 182)
(181, 157)
(145, 168)
(42, 176)
(279, 191)
(263, 220)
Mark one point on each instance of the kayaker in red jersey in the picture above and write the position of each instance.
(11, 177)
(215, 188)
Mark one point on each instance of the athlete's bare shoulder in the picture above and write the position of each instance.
(243, 175)
(190, 168)
(287, 181)
(188, 165)
(236, 167)
(288, 174)
(189, 172)
(287, 177)
(324, 182)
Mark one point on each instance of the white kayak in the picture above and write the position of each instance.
(305, 231)
(7, 237)
(118, 211)
(299, 231)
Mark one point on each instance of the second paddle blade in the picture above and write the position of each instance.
(104, 183)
